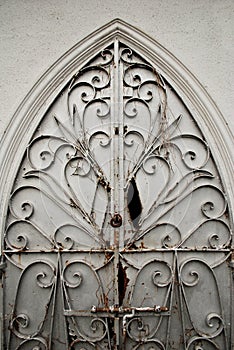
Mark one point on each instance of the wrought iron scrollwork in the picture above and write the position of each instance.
(117, 167)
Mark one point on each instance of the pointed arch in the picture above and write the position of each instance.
(28, 114)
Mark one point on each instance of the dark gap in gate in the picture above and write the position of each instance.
(111, 330)
(123, 281)
(134, 203)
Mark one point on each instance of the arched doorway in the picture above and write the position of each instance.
(117, 231)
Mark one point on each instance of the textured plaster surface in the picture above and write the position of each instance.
(34, 34)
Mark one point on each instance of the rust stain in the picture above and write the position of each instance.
(105, 300)
(108, 256)
(104, 184)
(189, 332)
(73, 204)
(142, 246)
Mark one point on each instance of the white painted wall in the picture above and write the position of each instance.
(35, 33)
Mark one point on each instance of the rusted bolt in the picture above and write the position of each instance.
(116, 220)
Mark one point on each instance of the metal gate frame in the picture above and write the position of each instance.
(30, 112)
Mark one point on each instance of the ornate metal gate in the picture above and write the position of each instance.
(118, 231)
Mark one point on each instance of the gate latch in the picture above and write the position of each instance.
(125, 320)
(129, 310)
(116, 220)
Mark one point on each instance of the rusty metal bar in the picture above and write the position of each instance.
(123, 310)
(128, 251)
(104, 312)
(116, 194)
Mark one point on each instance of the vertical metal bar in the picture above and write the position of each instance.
(117, 335)
(112, 144)
(119, 169)
(2, 309)
(114, 205)
(232, 298)
(1, 318)
(116, 292)
(117, 130)
(115, 161)
(171, 299)
(119, 109)
(115, 168)
(181, 301)
(60, 267)
(53, 300)
(232, 312)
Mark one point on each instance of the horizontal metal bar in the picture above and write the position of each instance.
(129, 251)
(172, 250)
(37, 251)
(85, 313)
(122, 310)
